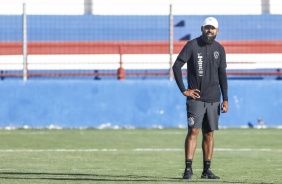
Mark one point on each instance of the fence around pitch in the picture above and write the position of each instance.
(141, 58)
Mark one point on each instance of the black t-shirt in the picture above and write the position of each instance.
(206, 69)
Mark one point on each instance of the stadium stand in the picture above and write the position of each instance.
(61, 38)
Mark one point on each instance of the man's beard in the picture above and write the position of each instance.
(208, 39)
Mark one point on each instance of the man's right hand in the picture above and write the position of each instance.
(193, 93)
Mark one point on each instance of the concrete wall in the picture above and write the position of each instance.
(129, 103)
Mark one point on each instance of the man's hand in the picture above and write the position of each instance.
(224, 106)
(194, 93)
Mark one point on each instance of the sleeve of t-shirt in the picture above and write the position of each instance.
(181, 59)
(223, 76)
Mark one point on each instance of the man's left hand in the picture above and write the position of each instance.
(224, 106)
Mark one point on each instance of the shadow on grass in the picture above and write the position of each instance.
(91, 177)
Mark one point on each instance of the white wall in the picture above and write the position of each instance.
(42, 7)
(140, 7)
(180, 7)
(275, 6)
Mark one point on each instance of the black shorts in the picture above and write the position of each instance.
(203, 115)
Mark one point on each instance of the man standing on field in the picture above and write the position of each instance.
(206, 67)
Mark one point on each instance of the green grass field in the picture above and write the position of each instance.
(135, 156)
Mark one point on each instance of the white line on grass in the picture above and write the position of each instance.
(58, 150)
(157, 149)
(139, 149)
(215, 149)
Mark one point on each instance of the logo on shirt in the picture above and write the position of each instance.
(216, 54)
(200, 64)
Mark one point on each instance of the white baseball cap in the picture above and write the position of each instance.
(210, 21)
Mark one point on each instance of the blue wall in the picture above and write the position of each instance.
(129, 103)
(136, 28)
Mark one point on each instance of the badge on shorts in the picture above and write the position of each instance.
(191, 121)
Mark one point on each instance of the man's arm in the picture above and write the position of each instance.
(182, 58)
(178, 64)
(223, 82)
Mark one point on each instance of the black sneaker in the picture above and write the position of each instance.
(188, 173)
(209, 175)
